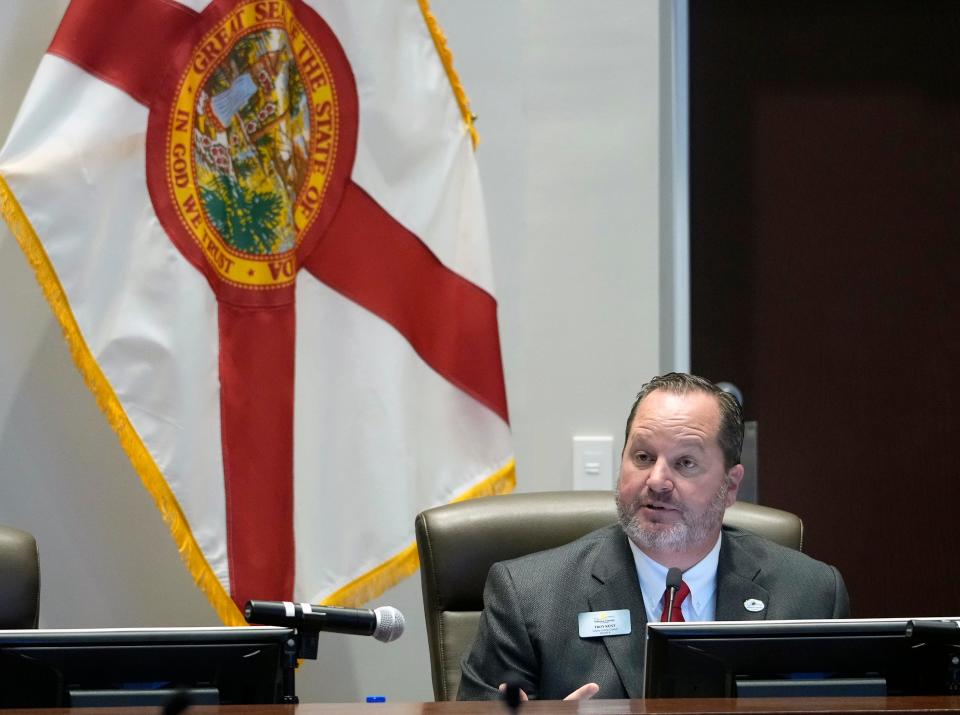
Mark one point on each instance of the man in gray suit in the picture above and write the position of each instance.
(571, 621)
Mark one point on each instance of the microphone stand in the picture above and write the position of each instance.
(302, 645)
(673, 595)
(674, 579)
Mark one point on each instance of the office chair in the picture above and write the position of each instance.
(459, 542)
(19, 579)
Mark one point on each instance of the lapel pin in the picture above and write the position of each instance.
(754, 605)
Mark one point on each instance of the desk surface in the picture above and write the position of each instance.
(706, 706)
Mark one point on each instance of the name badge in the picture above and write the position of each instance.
(604, 623)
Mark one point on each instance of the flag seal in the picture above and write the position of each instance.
(252, 146)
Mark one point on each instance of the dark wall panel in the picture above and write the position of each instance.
(825, 228)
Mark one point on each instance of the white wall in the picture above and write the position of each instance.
(568, 94)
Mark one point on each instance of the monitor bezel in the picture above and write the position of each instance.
(62, 658)
(704, 647)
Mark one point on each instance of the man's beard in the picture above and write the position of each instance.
(678, 537)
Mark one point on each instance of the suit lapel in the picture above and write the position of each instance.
(617, 588)
(736, 584)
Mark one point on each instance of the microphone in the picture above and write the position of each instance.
(674, 579)
(512, 697)
(384, 623)
(178, 701)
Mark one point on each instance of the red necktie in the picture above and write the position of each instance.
(676, 615)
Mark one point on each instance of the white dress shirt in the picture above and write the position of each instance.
(700, 605)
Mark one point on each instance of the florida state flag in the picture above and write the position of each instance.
(260, 225)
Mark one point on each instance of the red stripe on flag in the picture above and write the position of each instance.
(256, 413)
(128, 44)
(367, 256)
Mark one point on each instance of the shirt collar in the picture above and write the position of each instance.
(701, 605)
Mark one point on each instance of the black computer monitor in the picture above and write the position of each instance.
(141, 666)
(783, 658)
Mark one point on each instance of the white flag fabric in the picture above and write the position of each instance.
(261, 227)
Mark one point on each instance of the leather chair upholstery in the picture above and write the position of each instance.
(459, 542)
(19, 579)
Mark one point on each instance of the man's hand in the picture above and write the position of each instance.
(584, 692)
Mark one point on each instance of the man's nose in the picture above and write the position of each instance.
(661, 477)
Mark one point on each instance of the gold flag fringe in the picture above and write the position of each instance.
(130, 441)
(446, 56)
(391, 572)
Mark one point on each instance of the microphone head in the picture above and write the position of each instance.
(389, 624)
(511, 696)
(674, 578)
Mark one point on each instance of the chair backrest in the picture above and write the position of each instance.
(19, 579)
(458, 543)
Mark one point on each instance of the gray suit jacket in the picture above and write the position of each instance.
(528, 631)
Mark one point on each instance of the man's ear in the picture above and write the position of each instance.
(734, 477)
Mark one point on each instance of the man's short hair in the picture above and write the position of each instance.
(730, 433)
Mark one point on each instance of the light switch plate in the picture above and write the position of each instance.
(593, 462)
